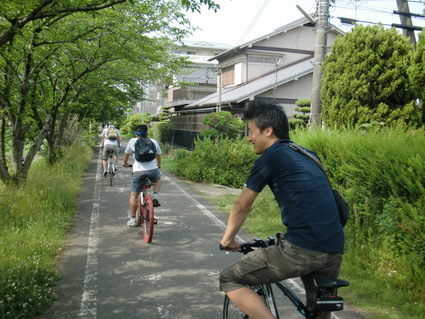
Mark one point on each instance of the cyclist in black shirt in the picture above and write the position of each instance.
(314, 239)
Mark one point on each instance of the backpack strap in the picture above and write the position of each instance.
(301, 150)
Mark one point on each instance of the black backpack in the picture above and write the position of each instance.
(144, 150)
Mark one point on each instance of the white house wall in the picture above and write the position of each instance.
(257, 70)
(239, 73)
(301, 38)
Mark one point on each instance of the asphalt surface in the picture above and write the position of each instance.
(108, 271)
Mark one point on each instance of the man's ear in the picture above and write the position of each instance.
(268, 131)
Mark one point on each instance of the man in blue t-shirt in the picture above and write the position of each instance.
(314, 239)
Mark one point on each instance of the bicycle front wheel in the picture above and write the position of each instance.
(230, 311)
(148, 219)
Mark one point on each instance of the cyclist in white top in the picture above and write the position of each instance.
(141, 169)
(110, 142)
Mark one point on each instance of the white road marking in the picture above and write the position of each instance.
(88, 308)
(202, 208)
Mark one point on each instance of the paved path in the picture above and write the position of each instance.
(108, 271)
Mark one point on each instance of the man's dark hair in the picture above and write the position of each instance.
(266, 114)
(141, 130)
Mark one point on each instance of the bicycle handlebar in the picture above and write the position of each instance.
(249, 246)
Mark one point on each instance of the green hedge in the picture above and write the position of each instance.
(225, 162)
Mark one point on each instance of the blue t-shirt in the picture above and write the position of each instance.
(303, 194)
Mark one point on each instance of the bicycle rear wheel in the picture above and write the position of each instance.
(230, 311)
(148, 219)
(111, 174)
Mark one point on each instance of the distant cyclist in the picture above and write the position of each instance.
(110, 141)
(141, 169)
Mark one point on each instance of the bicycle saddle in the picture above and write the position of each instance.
(326, 282)
(146, 180)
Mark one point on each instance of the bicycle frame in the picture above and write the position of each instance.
(302, 309)
(111, 168)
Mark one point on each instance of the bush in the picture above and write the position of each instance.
(223, 125)
(226, 162)
(382, 175)
(163, 132)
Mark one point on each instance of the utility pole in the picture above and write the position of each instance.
(322, 27)
(406, 19)
(219, 84)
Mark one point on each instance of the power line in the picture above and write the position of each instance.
(253, 22)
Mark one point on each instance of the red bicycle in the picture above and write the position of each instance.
(144, 211)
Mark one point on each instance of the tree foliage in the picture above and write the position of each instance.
(223, 125)
(303, 107)
(88, 58)
(365, 79)
(417, 71)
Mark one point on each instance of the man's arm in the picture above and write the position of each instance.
(126, 156)
(158, 161)
(238, 214)
(103, 138)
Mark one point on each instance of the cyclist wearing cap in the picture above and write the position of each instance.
(141, 169)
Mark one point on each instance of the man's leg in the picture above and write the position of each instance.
(133, 203)
(250, 303)
(104, 161)
(156, 188)
(116, 159)
(258, 267)
(133, 206)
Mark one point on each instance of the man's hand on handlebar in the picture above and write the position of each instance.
(231, 246)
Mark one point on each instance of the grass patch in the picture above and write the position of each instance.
(34, 219)
(169, 164)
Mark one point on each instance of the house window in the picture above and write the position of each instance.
(261, 59)
(228, 76)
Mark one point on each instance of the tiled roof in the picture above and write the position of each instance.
(262, 84)
(198, 75)
(204, 44)
(285, 28)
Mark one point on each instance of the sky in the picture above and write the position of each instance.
(239, 21)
